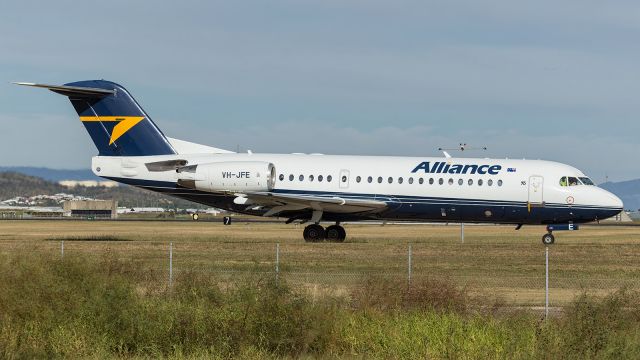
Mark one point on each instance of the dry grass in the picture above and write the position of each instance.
(493, 259)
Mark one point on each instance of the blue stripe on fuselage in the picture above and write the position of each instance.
(409, 207)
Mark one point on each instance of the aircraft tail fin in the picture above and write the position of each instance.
(116, 123)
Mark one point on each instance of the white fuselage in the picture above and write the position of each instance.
(416, 188)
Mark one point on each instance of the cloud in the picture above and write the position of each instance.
(355, 77)
(45, 140)
(593, 154)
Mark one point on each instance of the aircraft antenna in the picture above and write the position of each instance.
(462, 147)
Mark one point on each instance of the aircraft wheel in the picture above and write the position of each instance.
(313, 233)
(335, 233)
(343, 233)
(548, 239)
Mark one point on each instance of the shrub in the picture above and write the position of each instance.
(383, 294)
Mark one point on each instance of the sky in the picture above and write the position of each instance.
(554, 80)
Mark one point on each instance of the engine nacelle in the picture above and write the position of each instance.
(228, 176)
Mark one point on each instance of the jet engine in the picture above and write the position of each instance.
(228, 176)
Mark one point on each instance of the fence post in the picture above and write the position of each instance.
(277, 262)
(62, 249)
(546, 283)
(170, 264)
(409, 264)
(462, 232)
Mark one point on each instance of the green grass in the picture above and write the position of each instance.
(106, 307)
(493, 259)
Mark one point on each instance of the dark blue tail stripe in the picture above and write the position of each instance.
(143, 139)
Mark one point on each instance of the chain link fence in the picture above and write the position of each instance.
(517, 279)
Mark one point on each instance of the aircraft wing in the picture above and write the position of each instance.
(278, 202)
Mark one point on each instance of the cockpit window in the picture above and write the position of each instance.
(575, 181)
(587, 181)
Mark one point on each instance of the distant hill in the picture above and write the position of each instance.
(14, 184)
(628, 191)
(54, 175)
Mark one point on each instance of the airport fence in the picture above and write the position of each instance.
(521, 280)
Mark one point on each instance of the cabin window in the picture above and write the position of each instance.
(490, 182)
(329, 178)
(431, 181)
(291, 177)
(450, 181)
(470, 182)
(390, 180)
(460, 182)
(410, 180)
(500, 182)
(301, 177)
(320, 178)
(379, 179)
(344, 178)
(441, 181)
(281, 177)
(400, 180)
(480, 181)
(310, 177)
(421, 181)
(369, 179)
(358, 178)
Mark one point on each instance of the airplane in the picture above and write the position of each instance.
(315, 188)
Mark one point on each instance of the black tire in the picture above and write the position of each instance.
(314, 233)
(548, 239)
(343, 233)
(335, 233)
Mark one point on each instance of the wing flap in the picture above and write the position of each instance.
(333, 204)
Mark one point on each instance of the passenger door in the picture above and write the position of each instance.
(536, 190)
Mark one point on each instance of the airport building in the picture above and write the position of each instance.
(103, 209)
(623, 217)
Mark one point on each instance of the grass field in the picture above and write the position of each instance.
(108, 296)
(495, 260)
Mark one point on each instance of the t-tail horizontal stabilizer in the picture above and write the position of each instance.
(115, 121)
(72, 90)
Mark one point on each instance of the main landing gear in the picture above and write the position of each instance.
(316, 233)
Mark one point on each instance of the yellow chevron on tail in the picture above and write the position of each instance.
(125, 123)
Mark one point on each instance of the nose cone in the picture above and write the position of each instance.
(612, 201)
(610, 205)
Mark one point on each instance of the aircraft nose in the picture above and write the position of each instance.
(613, 201)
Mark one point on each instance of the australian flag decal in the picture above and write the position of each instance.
(511, 170)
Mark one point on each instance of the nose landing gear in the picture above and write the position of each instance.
(548, 239)
(316, 233)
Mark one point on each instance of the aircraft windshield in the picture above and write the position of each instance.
(575, 181)
(587, 181)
